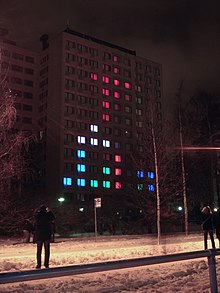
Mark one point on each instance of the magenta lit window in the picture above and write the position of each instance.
(117, 171)
(105, 117)
(116, 95)
(105, 104)
(94, 76)
(118, 185)
(116, 70)
(106, 92)
(105, 79)
(116, 82)
(127, 85)
(118, 158)
(115, 58)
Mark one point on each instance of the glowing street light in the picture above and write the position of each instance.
(61, 199)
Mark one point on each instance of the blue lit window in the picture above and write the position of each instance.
(151, 187)
(150, 175)
(81, 139)
(94, 183)
(106, 143)
(140, 174)
(81, 154)
(67, 181)
(94, 141)
(81, 182)
(94, 128)
(81, 168)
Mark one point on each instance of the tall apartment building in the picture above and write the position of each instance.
(87, 98)
(92, 101)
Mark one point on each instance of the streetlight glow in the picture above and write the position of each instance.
(61, 199)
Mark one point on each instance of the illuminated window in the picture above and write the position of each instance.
(81, 139)
(150, 175)
(106, 92)
(94, 128)
(81, 168)
(118, 158)
(105, 104)
(106, 79)
(117, 185)
(106, 170)
(127, 85)
(116, 70)
(106, 117)
(67, 181)
(81, 182)
(115, 58)
(117, 171)
(151, 187)
(140, 186)
(94, 141)
(116, 82)
(106, 184)
(140, 174)
(116, 95)
(81, 154)
(106, 143)
(93, 76)
(94, 183)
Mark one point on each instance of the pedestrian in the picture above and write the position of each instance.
(43, 235)
(207, 226)
(27, 230)
(217, 225)
(53, 226)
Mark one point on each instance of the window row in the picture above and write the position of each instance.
(18, 56)
(82, 182)
(83, 168)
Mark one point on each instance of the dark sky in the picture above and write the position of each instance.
(183, 35)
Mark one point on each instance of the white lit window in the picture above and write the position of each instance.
(94, 141)
(94, 128)
(106, 143)
(81, 139)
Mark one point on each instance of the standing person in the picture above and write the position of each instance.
(53, 226)
(207, 226)
(43, 235)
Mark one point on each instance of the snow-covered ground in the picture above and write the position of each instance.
(185, 276)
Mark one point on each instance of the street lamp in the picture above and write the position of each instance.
(61, 199)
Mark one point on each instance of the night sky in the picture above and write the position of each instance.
(183, 35)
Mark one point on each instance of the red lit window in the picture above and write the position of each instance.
(106, 79)
(127, 85)
(106, 117)
(118, 158)
(118, 185)
(115, 58)
(116, 82)
(117, 171)
(106, 105)
(106, 92)
(116, 70)
(116, 95)
(93, 76)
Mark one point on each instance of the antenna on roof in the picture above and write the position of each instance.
(67, 23)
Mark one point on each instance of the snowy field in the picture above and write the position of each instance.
(185, 276)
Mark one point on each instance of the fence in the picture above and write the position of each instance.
(21, 276)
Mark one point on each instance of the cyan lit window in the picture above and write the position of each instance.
(106, 143)
(106, 170)
(67, 181)
(140, 174)
(106, 184)
(94, 183)
(151, 187)
(140, 186)
(94, 141)
(150, 175)
(81, 154)
(81, 139)
(81, 182)
(81, 168)
(94, 128)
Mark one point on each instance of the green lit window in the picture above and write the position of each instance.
(106, 170)
(94, 183)
(106, 184)
(140, 186)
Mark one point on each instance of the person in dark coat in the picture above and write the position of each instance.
(53, 226)
(207, 226)
(43, 235)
